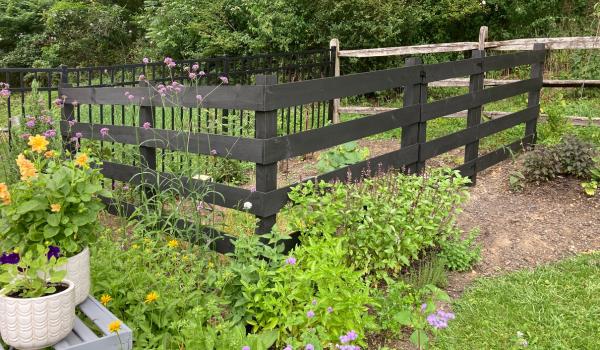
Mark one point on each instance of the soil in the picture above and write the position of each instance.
(60, 287)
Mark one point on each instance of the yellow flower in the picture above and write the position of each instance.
(138, 256)
(185, 257)
(128, 260)
(38, 143)
(172, 279)
(81, 160)
(134, 246)
(26, 167)
(146, 240)
(173, 243)
(75, 236)
(151, 297)
(158, 274)
(147, 250)
(220, 327)
(115, 326)
(48, 154)
(105, 299)
(174, 258)
(55, 207)
(4, 190)
(227, 273)
(210, 265)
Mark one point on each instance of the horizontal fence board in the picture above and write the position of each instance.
(464, 82)
(447, 143)
(233, 147)
(221, 242)
(433, 110)
(585, 42)
(410, 50)
(215, 193)
(481, 163)
(288, 146)
(220, 97)
(499, 62)
(309, 91)
(453, 69)
(275, 200)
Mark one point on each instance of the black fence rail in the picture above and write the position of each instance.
(267, 147)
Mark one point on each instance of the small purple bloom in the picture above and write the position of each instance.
(309, 347)
(104, 131)
(214, 152)
(12, 258)
(314, 302)
(199, 97)
(147, 125)
(194, 67)
(199, 207)
(79, 134)
(31, 123)
(208, 241)
(310, 314)
(123, 247)
(330, 309)
(53, 252)
(423, 306)
(171, 65)
(75, 103)
(74, 139)
(125, 188)
(246, 348)
(288, 347)
(168, 60)
(145, 60)
(192, 75)
(142, 77)
(130, 97)
(291, 261)
(252, 189)
(72, 122)
(201, 72)
(24, 136)
(224, 80)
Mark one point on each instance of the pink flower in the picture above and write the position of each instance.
(75, 103)
(186, 68)
(130, 32)
(171, 65)
(194, 67)
(79, 134)
(130, 97)
(104, 131)
(199, 97)
(147, 125)
(253, 189)
(201, 72)
(224, 80)
(145, 60)
(214, 152)
(199, 207)
(40, 101)
(142, 77)
(74, 139)
(126, 93)
(24, 136)
(192, 75)
(31, 123)
(44, 111)
(168, 60)
(72, 122)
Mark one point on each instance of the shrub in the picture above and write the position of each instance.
(428, 271)
(542, 164)
(397, 297)
(387, 219)
(341, 156)
(460, 255)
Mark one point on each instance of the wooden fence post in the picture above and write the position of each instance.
(476, 83)
(68, 111)
(225, 118)
(265, 127)
(335, 115)
(534, 96)
(414, 133)
(147, 154)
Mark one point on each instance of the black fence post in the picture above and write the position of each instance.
(225, 119)
(476, 83)
(147, 154)
(534, 96)
(265, 127)
(68, 111)
(414, 133)
(333, 71)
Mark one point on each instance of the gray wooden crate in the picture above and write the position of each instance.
(82, 338)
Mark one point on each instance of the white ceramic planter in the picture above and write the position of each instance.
(36, 323)
(78, 271)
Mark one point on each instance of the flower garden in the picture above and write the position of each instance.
(372, 259)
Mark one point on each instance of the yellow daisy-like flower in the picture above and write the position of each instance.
(173, 243)
(134, 246)
(4, 190)
(146, 240)
(55, 207)
(105, 299)
(38, 143)
(81, 160)
(210, 265)
(115, 326)
(128, 260)
(172, 279)
(151, 297)
(147, 250)
(227, 273)
(185, 257)
(138, 256)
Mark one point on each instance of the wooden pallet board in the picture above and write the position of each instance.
(83, 338)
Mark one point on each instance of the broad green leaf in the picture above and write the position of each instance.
(91, 188)
(57, 276)
(54, 219)
(27, 206)
(403, 317)
(50, 231)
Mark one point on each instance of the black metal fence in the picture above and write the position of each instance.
(270, 95)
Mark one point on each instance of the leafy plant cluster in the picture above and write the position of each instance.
(461, 255)
(571, 156)
(341, 156)
(387, 219)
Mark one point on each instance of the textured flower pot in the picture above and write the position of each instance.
(36, 323)
(78, 271)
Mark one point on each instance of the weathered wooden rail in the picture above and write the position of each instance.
(267, 148)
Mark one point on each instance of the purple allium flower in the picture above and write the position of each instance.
(75, 103)
(199, 207)
(423, 306)
(247, 205)
(309, 347)
(79, 134)
(194, 67)
(310, 314)
(31, 123)
(53, 252)
(147, 125)
(199, 97)
(72, 122)
(214, 152)
(246, 348)
(104, 131)
(224, 80)
(130, 97)
(291, 261)
(330, 309)
(12, 258)
(252, 189)
(145, 60)
(314, 302)
(142, 77)
(24, 136)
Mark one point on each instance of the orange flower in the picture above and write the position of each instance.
(4, 190)
(6, 200)
(81, 160)
(27, 171)
(38, 143)
(55, 207)
(21, 160)
(48, 154)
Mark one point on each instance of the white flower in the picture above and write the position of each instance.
(247, 205)
(519, 334)
(483, 2)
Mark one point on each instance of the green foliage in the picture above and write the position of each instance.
(20, 18)
(515, 181)
(225, 338)
(590, 187)
(341, 156)
(58, 206)
(296, 297)
(398, 296)
(576, 156)
(461, 255)
(32, 275)
(404, 214)
(430, 270)
(541, 164)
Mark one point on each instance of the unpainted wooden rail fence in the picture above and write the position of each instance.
(267, 148)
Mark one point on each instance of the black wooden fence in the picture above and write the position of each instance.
(266, 97)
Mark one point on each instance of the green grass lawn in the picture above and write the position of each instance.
(556, 307)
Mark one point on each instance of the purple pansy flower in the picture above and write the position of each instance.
(53, 252)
